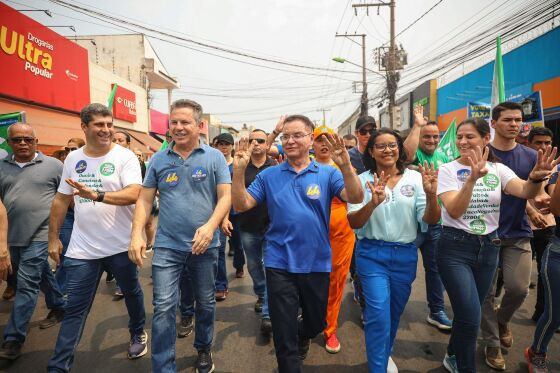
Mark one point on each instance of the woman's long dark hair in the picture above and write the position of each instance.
(483, 128)
(369, 161)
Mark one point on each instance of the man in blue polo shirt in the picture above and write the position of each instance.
(194, 187)
(298, 195)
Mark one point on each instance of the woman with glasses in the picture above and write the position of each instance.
(470, 189)
(396, 200)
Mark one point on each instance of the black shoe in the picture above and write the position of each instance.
(109, 277)
(303, 348)
(186, 327)
(266, 326)
(54, 316)
(536, 316)
(204, 363)
(259, 305)
(10, 350)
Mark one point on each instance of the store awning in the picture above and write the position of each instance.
(159, 122)
(144, 142)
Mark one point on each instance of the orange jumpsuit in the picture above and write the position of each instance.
(342, 241)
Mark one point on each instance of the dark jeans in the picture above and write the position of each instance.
(82, 281)
(539, 242)
(32, 271)
(427, 243)
(186, 298)
(235, 243)
(287, 292)
(167, 267)
(254, 245)
(65, 235)
(550, 319)
(466, 264)
(221, 274)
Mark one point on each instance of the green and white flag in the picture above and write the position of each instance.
(447, 144)
(5, 121)
(111, 100)
(498, 85)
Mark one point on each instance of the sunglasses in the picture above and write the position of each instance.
(259, 141)
(18, 140)
(364, 131)
(70, 149)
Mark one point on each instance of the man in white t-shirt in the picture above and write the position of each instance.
(104, 179)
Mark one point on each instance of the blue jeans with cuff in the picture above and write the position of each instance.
(254, 245)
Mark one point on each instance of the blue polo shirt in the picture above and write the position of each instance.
(299, 208)
(187, 193)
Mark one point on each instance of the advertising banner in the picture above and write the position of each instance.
(124, 104)
(532, 110)
(40, 66)
(5, 121)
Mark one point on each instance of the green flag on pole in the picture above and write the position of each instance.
(164, 145)
(111, 100)
(447, 144)
(498, 85)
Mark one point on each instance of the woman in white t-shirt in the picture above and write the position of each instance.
(470, 189)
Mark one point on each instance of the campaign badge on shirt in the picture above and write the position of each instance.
(199, 174)
(491, 181)
(80, 166)
(463, 174)
(407, 190)
(313, 191)
(107, 169)
(172, 179)
(478, 226)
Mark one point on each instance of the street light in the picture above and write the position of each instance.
(343, 60)
(46, 11)
(70, 27)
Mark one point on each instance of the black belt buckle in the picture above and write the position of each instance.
(496, 241)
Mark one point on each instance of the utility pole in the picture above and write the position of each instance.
(324, 116)
(364, 100)
(391, 58)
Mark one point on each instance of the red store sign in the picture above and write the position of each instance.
(124, 106)
(40, 66)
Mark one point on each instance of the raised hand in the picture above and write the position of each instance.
(429, 178)
(339, 154)
(419, 118)
(478, 160)
(377, 188)
(545, 163)
(280, 125)
(243, 151)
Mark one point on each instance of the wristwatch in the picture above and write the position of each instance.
(100, 196)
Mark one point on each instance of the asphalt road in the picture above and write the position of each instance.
(239, 346)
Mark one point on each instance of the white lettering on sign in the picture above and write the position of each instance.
(39, 42)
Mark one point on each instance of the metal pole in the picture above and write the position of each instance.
(391, 73)
(364, 81)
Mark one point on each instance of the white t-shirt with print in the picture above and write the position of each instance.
(100, 229)
(483, 214)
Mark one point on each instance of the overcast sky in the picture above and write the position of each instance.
(294, 31)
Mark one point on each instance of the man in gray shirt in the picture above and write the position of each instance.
(28, 183)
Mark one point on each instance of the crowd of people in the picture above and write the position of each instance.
(302, 215)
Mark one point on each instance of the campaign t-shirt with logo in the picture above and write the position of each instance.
(436, 158)
(483, 214)
(397, 218)
(100, 229)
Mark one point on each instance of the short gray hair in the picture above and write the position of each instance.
(185, 103)
(87, 113)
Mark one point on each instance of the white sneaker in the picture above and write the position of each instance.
(391, 366)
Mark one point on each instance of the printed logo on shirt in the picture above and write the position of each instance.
(199, 174)
(107, 169)
(313, 191)
(81, 166)
(491, 181)
(478, 226)
(172, 179)
(463, 174)
(407, 190)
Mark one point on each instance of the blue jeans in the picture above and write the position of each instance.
(167, 268)
(427, 243)
(33, 273)
(386, 271)
(254, 245)
(466, 264)
(221, 274)
(82, 281)
(550, 319)
(65, 235)
(186, 298)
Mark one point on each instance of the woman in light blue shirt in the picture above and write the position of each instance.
(386, 226)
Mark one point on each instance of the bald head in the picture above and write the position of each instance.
(21, 126)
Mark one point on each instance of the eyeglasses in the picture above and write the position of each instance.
(295, 136)
(68, 149)
(259, 141)
(364, 131)
(382, 147)
(18, 140)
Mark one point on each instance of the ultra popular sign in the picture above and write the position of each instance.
(124, 106)
(38, 65)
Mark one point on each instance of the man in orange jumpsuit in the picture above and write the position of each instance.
(342, 239)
